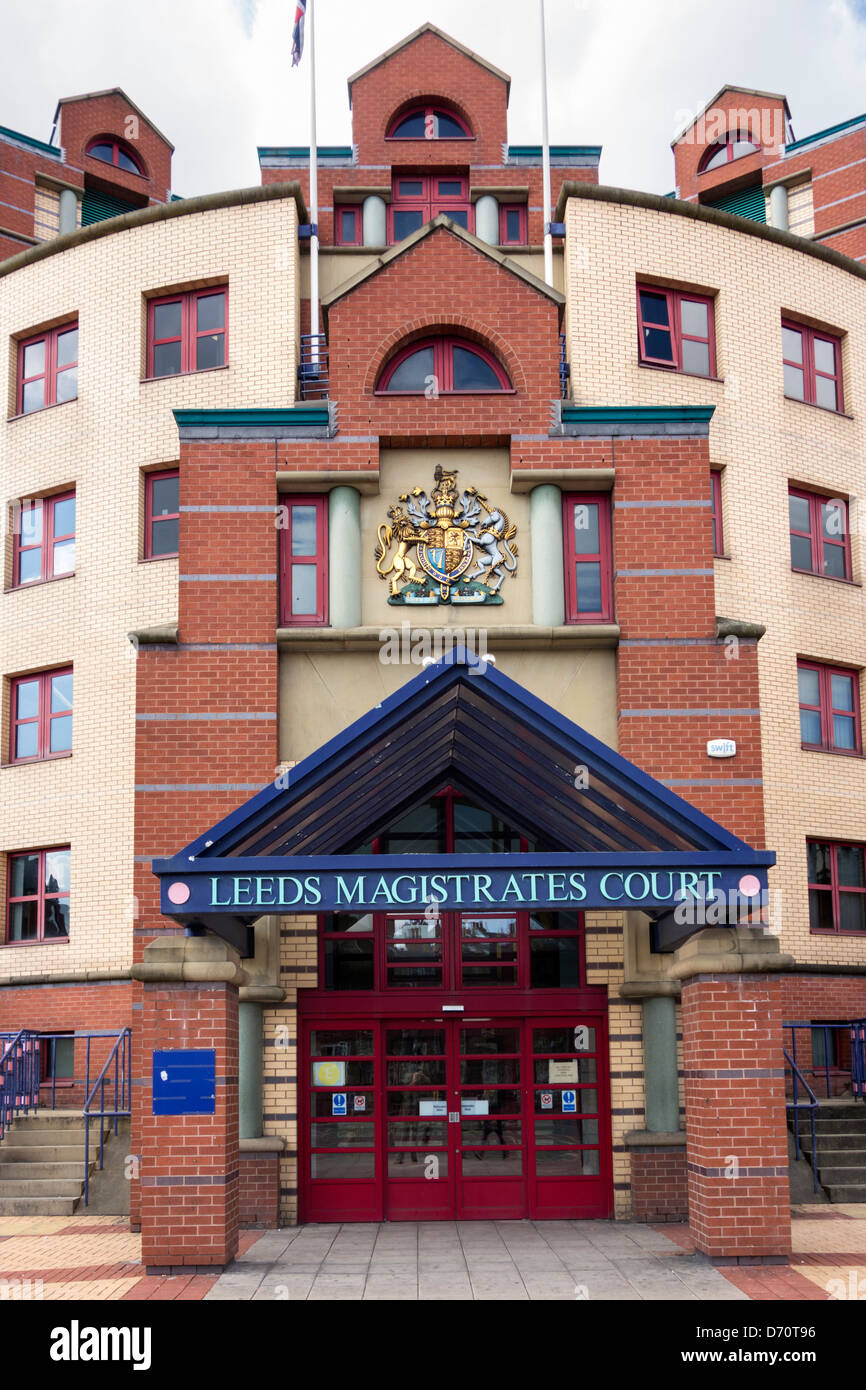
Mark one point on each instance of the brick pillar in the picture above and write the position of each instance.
(736, 1131)
(189, 1184)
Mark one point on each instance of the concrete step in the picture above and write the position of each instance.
(831, 1140)
(39, 1153)
(62, 1172)
(50, 1119)
(38, 1206)
(847, 1192)
(841, 1124)
(40, 1187)
(833, 1174)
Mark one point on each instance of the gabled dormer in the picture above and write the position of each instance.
(721, 154)
(125, 159)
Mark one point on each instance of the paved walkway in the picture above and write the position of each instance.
(96, 1257)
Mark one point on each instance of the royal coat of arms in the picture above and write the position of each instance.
(463, 546)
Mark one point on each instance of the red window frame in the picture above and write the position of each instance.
(716, 502)
(41, 897)
(520, 210)
(50, 537)
(51, 372)
(446, 956)
(826, 710)
(430, 201)
(319, 560)
(810, 372)
(341, 211)
(189, 333)
(116, 147)
(834, 888)
(43, 719)
(815, 534)
(429, 112)
(731, 139)
(443, 367)
(675, 299)
(149, 518)
(602, 557)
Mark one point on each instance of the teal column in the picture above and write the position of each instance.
(68, 211)
(250, 1070)
(344, 557)
(548, 577)
(660, 1064)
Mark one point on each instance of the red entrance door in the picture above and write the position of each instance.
(456, 1119)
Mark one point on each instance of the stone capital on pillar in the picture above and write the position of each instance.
(736, 1127)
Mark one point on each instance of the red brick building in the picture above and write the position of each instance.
(533, 608)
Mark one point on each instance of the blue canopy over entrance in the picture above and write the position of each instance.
(604, 833)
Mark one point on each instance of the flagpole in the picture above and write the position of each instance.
(545, 157)
(310, 25)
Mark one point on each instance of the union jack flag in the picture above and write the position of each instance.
(298, 32)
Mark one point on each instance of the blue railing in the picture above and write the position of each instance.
(835, 1038)
(797, 1105)
(19, 1075)
(564, 370)
(313, 367)
(117, 1073)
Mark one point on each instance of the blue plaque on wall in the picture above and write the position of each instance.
(184, 1082)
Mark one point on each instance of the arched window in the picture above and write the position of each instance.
(734, 146)
(445, 365)
(112, 151)
(428, 123)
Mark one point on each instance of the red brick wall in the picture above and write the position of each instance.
(260, 1190)
(443, 284)
(658, 1184)
(737, 1144)
(188, 1189)
(19, 168)
(688, 152)
(63, 1009)
(84, 119)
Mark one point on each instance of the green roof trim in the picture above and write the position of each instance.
(52, 151)
(303, 151)
(823, 134)
(636, 414)
(262, 417)
(560, 151)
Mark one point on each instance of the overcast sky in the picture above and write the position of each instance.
(215, 75)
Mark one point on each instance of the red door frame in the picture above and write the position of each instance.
(550, 1198)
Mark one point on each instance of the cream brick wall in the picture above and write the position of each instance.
(100, 443)
(762, 441)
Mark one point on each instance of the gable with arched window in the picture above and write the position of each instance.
(443, 365)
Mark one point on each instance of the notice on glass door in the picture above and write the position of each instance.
(562, 1071)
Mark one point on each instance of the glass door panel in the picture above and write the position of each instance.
(488, 1074)
(567, 1130)
(341, 1123)
(417, 1140)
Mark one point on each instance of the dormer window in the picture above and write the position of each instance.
(115, 152)
(735, 146)
(429, 123)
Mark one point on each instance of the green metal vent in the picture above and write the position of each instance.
(748, 202)
(96, 206)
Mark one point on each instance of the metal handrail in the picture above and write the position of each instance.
(855, 1030)
(121, 1056)
(19, 1076)
(811, 1105)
